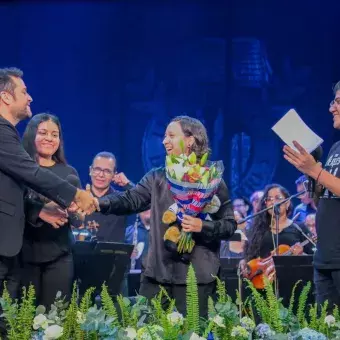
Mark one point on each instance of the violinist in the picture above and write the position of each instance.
(262, 235)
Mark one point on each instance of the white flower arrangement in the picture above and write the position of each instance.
(330, 320)
(131, 333)
(175, 319)
(53, 332)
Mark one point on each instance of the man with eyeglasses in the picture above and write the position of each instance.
(109, 228)
(327, 255)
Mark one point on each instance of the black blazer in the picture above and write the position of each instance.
(18, 170)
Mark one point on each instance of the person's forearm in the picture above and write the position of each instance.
(326, 179)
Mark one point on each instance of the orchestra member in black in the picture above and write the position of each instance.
(105, 180)
(262, 235)
(161, 266)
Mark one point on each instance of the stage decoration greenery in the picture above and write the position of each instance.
(261, 316)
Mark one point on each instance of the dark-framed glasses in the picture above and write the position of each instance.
(335, 101)
(272, 199)
(97, 170)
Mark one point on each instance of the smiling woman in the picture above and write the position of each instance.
(161, 266)
(46, 252)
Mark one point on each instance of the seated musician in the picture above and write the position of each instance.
(262, 237)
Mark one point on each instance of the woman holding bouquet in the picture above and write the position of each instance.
(161, 266)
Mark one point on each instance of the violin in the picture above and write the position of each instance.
(260, 267)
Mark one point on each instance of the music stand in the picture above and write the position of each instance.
(289, 270)
(99, 262)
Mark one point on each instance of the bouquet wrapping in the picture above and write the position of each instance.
(193, 186)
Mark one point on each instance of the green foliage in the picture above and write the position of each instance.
(260, 304)
(274, 306)
(10, 310)
(302, 305)
(221, 291)
(211, 306)
(124, 304)
(19, 317)
(85, 305)
(192, 301)
(170, 331)
(292, 298)
(98, 325)
(26, 313)
(268, 307)
(161, 321)
(70, 325)
(108, 305)
(336, 313)
(322, 325)
(313, 317)
(225, 310)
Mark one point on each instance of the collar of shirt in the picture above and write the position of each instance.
(108, 192)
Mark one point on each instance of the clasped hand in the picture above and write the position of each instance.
(84, 202)
(53, 214)
(192, 224)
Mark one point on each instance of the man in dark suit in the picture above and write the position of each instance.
(18, 170)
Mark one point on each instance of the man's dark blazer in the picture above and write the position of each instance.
(18, 170)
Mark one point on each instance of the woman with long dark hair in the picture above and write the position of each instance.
(161, 266)
(262, 234)
(46, 253)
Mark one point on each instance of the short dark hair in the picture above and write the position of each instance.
(301, 180)
(336, 87)
(6, 82)
(105, 154)
(28, 139)
(244, 199)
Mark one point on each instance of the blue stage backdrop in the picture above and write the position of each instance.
(116, 72)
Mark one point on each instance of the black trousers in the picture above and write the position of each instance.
(150, 287)
(9, 273)
(327, 287)
(50, 277)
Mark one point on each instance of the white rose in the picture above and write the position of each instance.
(80, 317)
(329, 320)
(194, 336)
(40, 321)
(219, 321)
(53, 332)
(175, 318)
(131, 333)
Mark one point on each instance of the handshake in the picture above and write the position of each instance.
(84, 204)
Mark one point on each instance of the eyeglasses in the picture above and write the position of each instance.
(271, 199)
(107, 172)
(238, 205)
(336, 100)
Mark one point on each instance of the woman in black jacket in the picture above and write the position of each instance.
(46, 254)
(160, 266)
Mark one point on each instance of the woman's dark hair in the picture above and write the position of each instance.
(261, 223)
(30, 133)
(193, 127)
